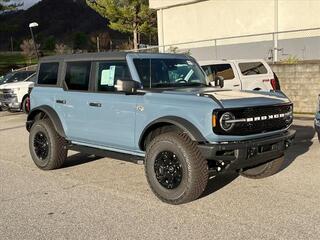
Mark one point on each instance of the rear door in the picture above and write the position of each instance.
(255, 74)
(225, 70)
(71, 102)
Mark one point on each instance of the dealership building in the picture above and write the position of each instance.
(226, 29)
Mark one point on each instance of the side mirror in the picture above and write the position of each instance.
(126, 85)
(219, 81)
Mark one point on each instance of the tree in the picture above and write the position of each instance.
(104, 39)
(8, 5)
(80, 40)
(127, 16)
(49, 43)
(61, 48)
(28, 50)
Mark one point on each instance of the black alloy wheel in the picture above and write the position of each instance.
(168, 170)
(41, 145)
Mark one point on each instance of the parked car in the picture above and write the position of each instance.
(16, 76)
(159, 107)
(14, 96)
(249, 74)
(317, 119)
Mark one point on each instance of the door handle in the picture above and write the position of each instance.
(95, 104)
(61, 101)
(236, 85)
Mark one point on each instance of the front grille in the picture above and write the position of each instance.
(6, 94)
(254, 120)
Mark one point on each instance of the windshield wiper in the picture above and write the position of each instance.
(195, 85)
(162, 85)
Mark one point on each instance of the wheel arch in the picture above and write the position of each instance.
(49, 112)
(171, 121)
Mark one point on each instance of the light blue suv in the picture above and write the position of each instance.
(317, 119)
(162, 108)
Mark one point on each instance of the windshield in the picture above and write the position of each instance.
(157, 73)
(6, 77)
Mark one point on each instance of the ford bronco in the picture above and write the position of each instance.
(317, 119)
(159, 107)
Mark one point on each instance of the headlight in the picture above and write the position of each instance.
(16, 90)
(9, 92)
(227, 121)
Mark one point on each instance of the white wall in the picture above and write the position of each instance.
(224, 18)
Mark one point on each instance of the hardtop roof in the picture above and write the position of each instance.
(109, 56)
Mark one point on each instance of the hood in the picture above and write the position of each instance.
(16, 85)
(236, 98)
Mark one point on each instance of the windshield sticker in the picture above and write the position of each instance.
(107, 76)
(190, 63)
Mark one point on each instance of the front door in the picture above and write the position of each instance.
(111, 114)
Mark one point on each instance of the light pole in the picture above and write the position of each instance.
(32, 25)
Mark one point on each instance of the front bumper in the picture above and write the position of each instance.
(10, 102)
(248, 154)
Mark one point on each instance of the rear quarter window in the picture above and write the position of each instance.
(48, 73)
(252, 68)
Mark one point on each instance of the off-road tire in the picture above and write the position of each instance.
(56, 154)
(194, 168)
(265, 170)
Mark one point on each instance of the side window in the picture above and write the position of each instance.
(21, 76)
(143, 67)
(48, 73)
(109, 72)
(207, 70)
(223, 70)
(78, 75)
(252, 68)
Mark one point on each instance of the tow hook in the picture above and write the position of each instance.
(252, 152)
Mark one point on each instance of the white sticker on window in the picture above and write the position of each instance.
(107, 76)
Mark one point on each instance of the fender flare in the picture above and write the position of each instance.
(179, 122)
(52, 115)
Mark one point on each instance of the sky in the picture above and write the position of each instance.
(29, 3)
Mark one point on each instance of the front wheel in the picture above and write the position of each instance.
(264, 170)
(46, 147)
(25, 105)
(175, 169)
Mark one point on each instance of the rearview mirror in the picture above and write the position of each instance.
(126, 85)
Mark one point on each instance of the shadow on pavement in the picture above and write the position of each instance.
(79, 159)
(82, 158)
(301, 144)
(219, 182)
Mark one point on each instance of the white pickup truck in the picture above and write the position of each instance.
(14, 96)
(243, 74)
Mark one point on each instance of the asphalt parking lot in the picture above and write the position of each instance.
(106, 198)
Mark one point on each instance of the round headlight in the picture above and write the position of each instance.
(226, 121)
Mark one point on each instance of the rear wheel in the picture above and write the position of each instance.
(47, 148)
(175, 169)
(264, 170)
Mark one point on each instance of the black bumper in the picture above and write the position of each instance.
(247, 154)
